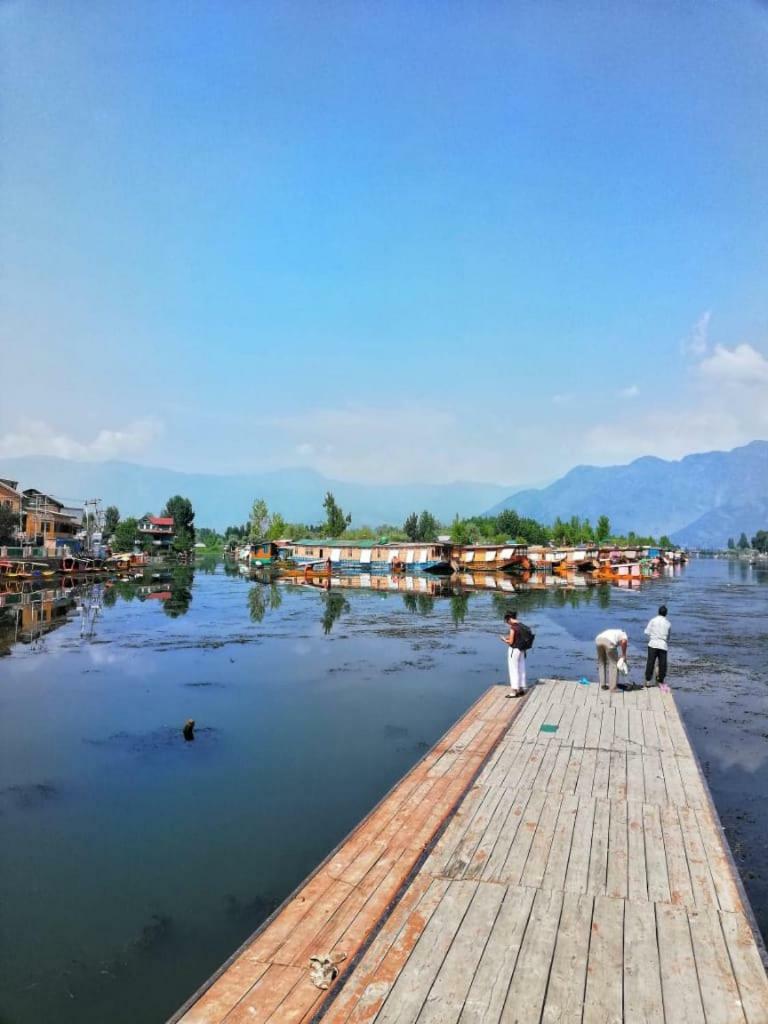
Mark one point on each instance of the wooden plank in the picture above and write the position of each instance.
(643, 1002)
(704, 892)
(602, 774)
(560, 851)
(618, 852)
(720, 866)
(265, 997)
(655, 790)
(514, 865)
(407, 996)
(679, 981)
(747, 966)
(494, 868)
(617, 780)
(695, 793)
(598, 857)
(621, 729)
(650, 732)
(564, 1000)
(655, 857)
(559, 769)
(587, 773)
(680, 888)
(635, 778)
(490, 836)
(636, 734)
(525, 998)
(607, 727)
(594, 725)
(572, 772)
(672, 779)
(226, 992)
(637, 879)
(577, 874)
(538, 856)
(486, 996)
(445, 999)
(467, 845)
(603, 999)
(717, 984)
(367, 987)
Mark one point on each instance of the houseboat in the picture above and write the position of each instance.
(374, 556)
(259, 553)
(491, 558)
(543, 558)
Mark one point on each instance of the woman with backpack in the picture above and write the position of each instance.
(519, 640)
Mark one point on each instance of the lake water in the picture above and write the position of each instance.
(133, 863)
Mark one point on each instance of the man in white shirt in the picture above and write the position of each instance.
(611, 645)
(657, 631)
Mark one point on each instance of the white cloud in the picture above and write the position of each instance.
(725, 406)
(35, 437)
(631, 392)
(697, 342)
(740, 365)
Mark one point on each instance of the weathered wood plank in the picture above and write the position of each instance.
(679, 981)
(525, 998)
(747, 965)
(655, 856)
(407, 996)
(560, 850)
(598, 857)
(637, 878)
(603, 998)
(486, 996)
(643, 1003)
(577, 874)
(445, 999)
(618, 851)
(564, 1001)
(717, 984)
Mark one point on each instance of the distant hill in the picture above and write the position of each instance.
(220, 501)
(700, 500)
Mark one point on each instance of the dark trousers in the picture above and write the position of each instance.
(654, 655)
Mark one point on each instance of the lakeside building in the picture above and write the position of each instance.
(48, 523)
(158, 529)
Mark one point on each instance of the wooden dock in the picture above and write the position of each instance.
(552, 859)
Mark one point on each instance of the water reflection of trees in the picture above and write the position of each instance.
(181, 592)
(336, 605)
(419, 604)
(263, 597)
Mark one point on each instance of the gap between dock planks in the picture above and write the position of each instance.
(584, 878)
(352, 893)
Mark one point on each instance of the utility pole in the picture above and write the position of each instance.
(92, 521)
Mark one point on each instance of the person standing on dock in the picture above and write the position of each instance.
(657, 631)
(519, 640)
(611, 646)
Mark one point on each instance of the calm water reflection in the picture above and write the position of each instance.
(133, 863)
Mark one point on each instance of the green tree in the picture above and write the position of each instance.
(603, 529)
(111, 519)
(460, 531)
(277, 526)
(508, 523)
(743, 542)
(664, 541)
(428, 527)
(259, 521)
(411, 527)
(124, 536)
(335, 520)
(731, 543)
(760, 541)
(183, 515)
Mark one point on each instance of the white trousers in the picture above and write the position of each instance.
(516, 663)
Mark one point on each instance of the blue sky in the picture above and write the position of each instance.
(402, 241)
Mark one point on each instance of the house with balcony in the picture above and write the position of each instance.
(47, 522)
(158, 529)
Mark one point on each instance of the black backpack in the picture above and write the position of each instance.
(524, 637)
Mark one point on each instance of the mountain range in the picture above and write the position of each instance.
(699, 501)
(221, 501)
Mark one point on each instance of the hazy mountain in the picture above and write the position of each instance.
(700, 499)
(223, 500)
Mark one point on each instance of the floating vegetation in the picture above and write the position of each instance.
(30, 795)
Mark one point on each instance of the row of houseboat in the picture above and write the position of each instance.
(443, 558)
